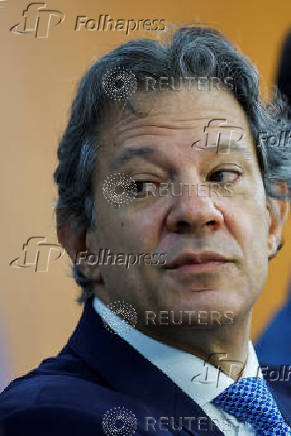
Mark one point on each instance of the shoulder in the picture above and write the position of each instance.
(57, 380)
(63, 395)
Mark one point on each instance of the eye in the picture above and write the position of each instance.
(144, 188)
(224, 176)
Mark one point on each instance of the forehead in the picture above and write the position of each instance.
(175, 115)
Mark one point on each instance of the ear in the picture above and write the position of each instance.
(278, 211)
(74, 241)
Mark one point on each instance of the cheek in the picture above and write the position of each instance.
(248, 223)
(136, 231)
(246, 213)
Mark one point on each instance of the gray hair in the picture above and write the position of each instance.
(191, 51)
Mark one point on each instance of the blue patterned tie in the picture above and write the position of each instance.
(250, 400)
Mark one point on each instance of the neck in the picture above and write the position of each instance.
(225, 347)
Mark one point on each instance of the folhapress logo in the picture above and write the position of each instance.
(37, 19)
(37, 253)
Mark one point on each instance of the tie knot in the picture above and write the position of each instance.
(250, 400)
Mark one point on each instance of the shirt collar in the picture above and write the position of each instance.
(197, 378)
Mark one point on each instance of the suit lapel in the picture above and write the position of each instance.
(128, 372)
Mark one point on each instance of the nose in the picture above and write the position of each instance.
(193, 213)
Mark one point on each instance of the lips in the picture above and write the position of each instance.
(199, 260)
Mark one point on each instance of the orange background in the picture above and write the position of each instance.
(38, 78)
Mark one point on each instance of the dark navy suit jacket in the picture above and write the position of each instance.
(95, 372)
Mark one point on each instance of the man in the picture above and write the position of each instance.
(170, 209)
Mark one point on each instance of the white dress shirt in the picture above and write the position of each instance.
(201, 381)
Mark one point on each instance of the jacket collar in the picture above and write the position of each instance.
(128, 372)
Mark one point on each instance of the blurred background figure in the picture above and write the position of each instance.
(5, 374)
(274, 345)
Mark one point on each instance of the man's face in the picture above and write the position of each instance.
(216, 240)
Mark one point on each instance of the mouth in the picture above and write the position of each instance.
(198, 262)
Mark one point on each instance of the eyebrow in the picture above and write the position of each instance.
(128, 154)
